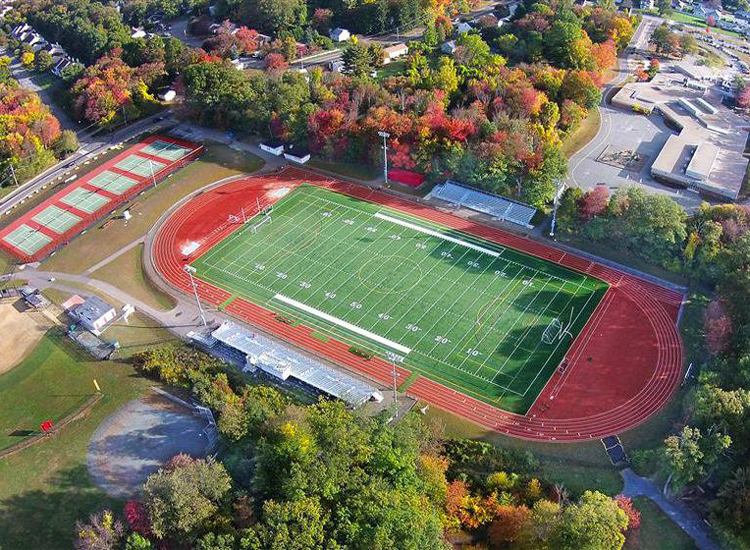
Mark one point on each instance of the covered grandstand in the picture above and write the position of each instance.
(496, 206)
(256, 353)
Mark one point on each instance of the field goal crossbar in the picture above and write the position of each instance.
(556, 330)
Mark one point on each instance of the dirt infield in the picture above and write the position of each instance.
(621, 369)
(140, 438)
(21, 329)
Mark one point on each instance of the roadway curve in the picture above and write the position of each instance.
(620, 370)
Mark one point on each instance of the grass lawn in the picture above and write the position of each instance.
(394, 68)
(126, 273)
(694, 21)
(658, 531)
(585, 133)
(460, 310)
(347, 169)
(218, 161)
(46, 487)
(578, 466)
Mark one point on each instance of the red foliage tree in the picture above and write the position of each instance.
(507, 525)
(275, 62)
(718, 327)
(137, 518)
(634, 516)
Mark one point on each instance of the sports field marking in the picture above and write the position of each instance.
(27, 239)
(165, 150)
(112, 182)
(84, 200)
(348, 260)
(140, 166)
(438, 235)
(343, 324)
(55, 218)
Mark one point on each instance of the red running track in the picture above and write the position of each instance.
(621, 369)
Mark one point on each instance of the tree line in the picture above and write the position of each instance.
(308, 477)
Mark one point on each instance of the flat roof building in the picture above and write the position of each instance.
(707, 152)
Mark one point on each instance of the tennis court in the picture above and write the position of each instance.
(55, 218)
(490, 321)
(26, 239)
(84, 200)
(112, 182)
(165, 150)
(141, 166)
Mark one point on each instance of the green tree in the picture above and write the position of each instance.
(43, 61)
(294, 525)
(689, 455)
(595, 522)
(445, 77)
(568, 46)
(274, 15)
(184, 498)
(67, 143)
(664, 7)
(360, 60)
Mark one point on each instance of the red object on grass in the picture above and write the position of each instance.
(46, 426)
(411, 179)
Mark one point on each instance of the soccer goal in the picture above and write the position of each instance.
(556, 330)
(265, 219)
(553, 331)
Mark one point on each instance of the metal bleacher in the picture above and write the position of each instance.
(494, 205)
(251, 351)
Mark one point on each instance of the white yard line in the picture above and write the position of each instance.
(439, 235)
(343, 324)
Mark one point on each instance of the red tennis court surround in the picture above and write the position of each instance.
(620, 370)
(53, 223)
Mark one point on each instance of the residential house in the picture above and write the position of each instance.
(393, 52)
(340, 35)
(448, 47)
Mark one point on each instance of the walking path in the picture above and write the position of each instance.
(636, 485)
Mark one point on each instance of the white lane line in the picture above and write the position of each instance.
(438, 235)
(342, 323)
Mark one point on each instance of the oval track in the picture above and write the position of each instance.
(204, 218)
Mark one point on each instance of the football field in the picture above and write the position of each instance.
(484, 319)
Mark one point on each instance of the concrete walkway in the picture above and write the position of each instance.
(636, 485)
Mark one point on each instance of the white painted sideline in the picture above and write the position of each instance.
(438, 235)
(341, 323)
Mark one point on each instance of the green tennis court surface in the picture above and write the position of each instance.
(55, 218)
(112, 182)
(140, 165)
(26, 239)
(166, 150)
(84, 200)
(484, 319)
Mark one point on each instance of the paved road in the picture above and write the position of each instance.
(24, 78)
(89, 146)
(636, 485)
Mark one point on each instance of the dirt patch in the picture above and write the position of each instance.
(21, 329)
(140, 438)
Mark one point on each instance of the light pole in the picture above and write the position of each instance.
(558, 190)
(153, 176)
(394, 358)
(190, 270)
(385, 136)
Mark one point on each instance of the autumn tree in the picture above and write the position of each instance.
(183, 498)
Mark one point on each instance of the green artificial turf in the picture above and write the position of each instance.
(460, 310)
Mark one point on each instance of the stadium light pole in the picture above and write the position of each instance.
(385, 136)
(190, 270)
(153, 176)
(558, 189)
